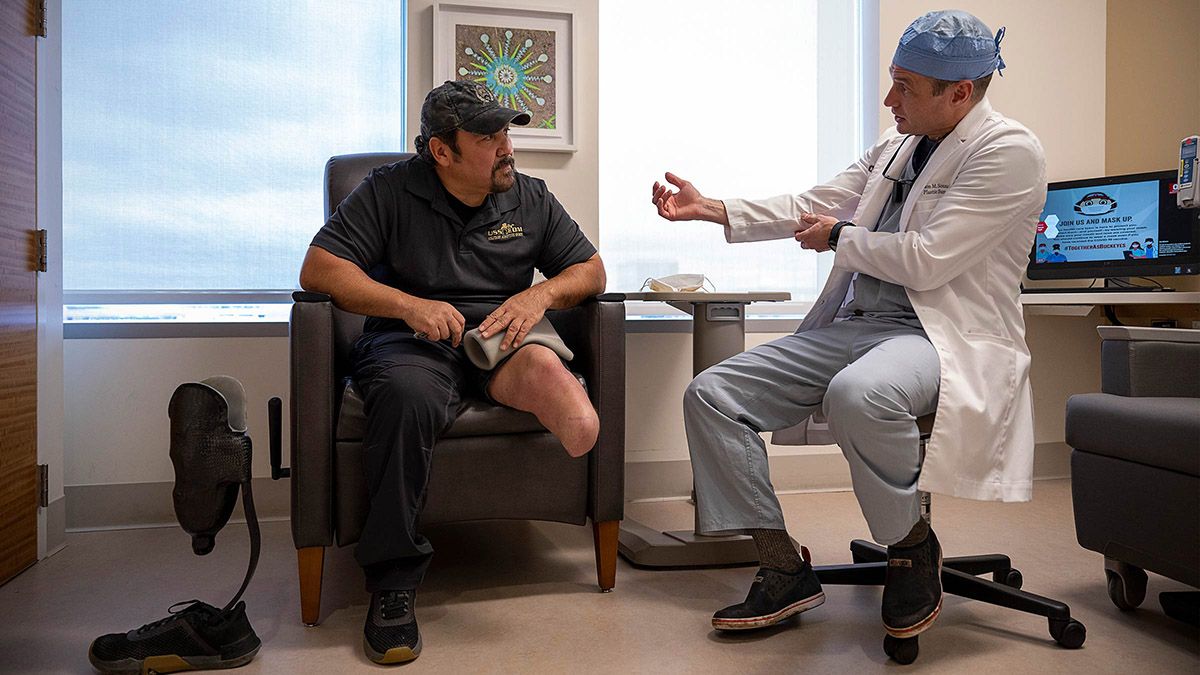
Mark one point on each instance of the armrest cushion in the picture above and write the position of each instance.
(1150, 368)
(312, 370)
(1162, 432)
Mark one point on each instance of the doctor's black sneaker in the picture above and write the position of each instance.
(773, 597)
(912, 588)
(196, 637)
(390, 634)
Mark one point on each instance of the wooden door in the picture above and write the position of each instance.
(18, 287)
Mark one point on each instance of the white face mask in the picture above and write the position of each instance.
(678, 283)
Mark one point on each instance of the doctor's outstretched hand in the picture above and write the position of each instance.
(816, 235)
(687, 203)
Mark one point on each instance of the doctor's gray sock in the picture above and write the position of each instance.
(776, 550)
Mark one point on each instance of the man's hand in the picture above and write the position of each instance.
(687, 203)
(434, 320)
(516, 317)
(816, 236)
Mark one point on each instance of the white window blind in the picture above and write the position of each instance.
(748, 99)
(195, 134)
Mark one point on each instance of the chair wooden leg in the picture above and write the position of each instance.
(312, 568)
(605, 535)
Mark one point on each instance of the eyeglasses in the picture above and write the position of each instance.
(900, 186)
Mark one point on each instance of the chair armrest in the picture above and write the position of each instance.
(595, 331)
(1150, 368)
(312, 370)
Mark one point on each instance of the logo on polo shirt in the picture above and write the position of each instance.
(505, 232)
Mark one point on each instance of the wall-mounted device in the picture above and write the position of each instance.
(1187, 185)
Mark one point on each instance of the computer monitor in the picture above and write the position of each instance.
(1117, 226)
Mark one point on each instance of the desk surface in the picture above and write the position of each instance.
(716, 296)
(1118, 298)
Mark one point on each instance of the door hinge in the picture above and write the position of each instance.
(43, 485)
(41, 18)
(41, 250)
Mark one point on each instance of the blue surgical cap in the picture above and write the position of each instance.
(949, 45)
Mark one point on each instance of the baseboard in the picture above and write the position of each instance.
(791, 474)
(52, 526)
(139, 505)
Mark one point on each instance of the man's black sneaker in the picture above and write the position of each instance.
(912, 588)
(773, 597)
(196, 637)
(390, 634)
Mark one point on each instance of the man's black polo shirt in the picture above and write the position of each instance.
(398, 227)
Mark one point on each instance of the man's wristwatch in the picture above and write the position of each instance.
(836, 231)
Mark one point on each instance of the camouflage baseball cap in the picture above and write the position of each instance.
(461, 104)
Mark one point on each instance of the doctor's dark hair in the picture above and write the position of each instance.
(981, 86)
(450, 138)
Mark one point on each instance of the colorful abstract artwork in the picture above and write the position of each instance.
(516, 64)
(526, 57)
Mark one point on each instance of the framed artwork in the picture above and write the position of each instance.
(526, 57)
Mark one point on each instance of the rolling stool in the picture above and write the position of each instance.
(959, 578)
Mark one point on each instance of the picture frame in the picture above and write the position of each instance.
(526, 57)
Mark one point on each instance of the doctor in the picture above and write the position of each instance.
(931, 230)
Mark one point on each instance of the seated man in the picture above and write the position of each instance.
(458, 232)
(932, 229)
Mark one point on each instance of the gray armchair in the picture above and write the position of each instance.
(493, 462)
(1135, 464)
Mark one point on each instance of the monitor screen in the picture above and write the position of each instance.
(1119, 226)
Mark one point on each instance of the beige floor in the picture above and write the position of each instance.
(521, 597)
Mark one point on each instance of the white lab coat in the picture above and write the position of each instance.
(965, 234)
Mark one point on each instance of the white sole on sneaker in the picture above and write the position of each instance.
(753, 622)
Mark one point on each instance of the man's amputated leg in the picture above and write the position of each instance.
(536, 381)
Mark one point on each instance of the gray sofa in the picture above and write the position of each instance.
(493, 462)
(1135, 465)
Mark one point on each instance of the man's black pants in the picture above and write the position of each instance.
(411, 389)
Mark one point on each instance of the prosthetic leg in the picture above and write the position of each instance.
(211, 454)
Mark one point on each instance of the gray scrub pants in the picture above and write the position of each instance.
(871, 377)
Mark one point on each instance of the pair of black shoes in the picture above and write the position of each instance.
(912, 593)
(390, 634)
(196, 637)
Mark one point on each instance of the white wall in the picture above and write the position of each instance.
(117, 390)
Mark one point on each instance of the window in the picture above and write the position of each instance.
(195, 135)
(749, 99)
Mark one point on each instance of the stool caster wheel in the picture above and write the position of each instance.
(901, 650)
(1068, 633)
(1010, 577)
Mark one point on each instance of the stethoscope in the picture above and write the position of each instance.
(900, 186)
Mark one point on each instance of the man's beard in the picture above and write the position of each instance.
(502, 182)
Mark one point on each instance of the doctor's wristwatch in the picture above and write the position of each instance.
(836, 231)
